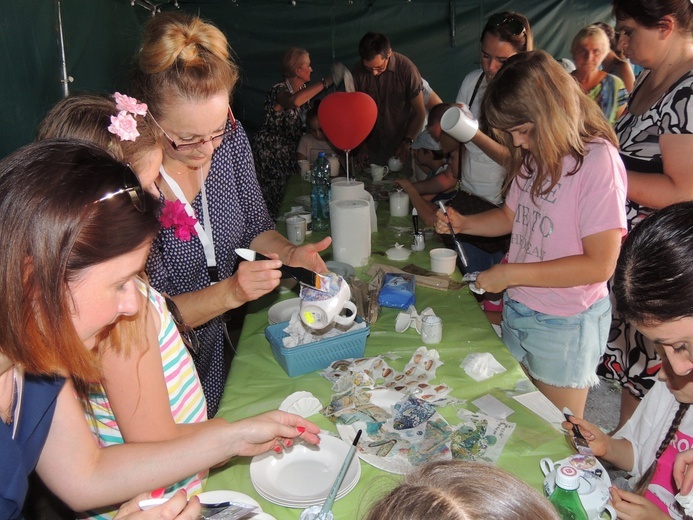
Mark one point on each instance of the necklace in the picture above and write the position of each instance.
(7, 414)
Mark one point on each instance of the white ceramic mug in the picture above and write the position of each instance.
(593, 491)
(304, 166)
(320, 309)
(459, 123)
(309, 221)
(334, 165)
(399, 204)
(378, 172)
(394, 164)
(296, 229)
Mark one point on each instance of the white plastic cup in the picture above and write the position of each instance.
(334, 165)
(443, 260)
(459, 123)
(431, 329)
(304, 166)
(296, 230)
(399, 204)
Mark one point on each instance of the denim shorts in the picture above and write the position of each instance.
(561, 351)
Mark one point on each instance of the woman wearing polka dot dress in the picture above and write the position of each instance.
(212, 203)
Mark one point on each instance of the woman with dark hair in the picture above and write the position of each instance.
(656, 136)
(653, 288)
(615, 62)
(76, 227)
(284, 119)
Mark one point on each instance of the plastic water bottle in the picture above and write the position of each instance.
(320, 194)
(565, 497)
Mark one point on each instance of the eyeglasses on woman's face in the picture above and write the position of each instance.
(131, 186)
(508, 21)
(182, 147)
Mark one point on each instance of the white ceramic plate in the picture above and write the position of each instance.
(304, 200)
(283, 310)
(304, 474)
(223, 495)
(343, 269)
(302, 504)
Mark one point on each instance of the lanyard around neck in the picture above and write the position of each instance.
(204, 234)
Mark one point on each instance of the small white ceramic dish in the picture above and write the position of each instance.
(283, 310)
(398, 253)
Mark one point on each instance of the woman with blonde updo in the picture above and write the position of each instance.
(208, 187)
(590, 47)
(284, 121)
(462, 490)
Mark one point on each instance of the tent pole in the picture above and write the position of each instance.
(61, 45)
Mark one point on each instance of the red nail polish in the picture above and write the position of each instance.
(158, 493)
(277, 449)
(301, 429)
(288, 443)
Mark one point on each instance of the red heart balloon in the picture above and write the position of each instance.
(347, 118)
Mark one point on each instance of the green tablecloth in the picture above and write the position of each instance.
(257, 383)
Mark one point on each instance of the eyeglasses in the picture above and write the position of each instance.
(509, 21)
(380, 69)
(189, 146)
(186, 332)
(131, 186)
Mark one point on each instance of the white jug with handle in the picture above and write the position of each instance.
(593, 490)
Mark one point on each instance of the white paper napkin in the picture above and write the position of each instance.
(481, 366)
(304, 404)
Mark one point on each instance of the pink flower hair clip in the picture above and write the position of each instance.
(174, 215)
(124, 125)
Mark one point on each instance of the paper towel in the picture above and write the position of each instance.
(351, 190)
(350, 222)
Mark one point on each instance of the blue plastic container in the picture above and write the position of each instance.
(318, 354)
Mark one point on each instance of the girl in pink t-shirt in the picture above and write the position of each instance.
(564, 209)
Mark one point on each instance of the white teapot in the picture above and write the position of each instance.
(593, 490)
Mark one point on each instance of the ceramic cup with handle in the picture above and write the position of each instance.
(460, 123)
(378, 172)
(593, 490)
(320, 309)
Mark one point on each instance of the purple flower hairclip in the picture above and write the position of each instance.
(124, 124)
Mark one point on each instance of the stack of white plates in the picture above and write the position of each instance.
(302, 475)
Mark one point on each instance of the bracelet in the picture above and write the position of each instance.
(408, 140)
(324, 83)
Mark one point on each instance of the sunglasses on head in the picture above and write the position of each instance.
(186, 332)
(131, 186)
(509, 21)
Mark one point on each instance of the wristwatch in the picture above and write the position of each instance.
(324, 83)
(408, 140)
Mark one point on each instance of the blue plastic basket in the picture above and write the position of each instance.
(317, 355)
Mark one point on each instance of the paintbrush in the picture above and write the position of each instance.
(301, 274)
(581, 443)
(458, 245)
